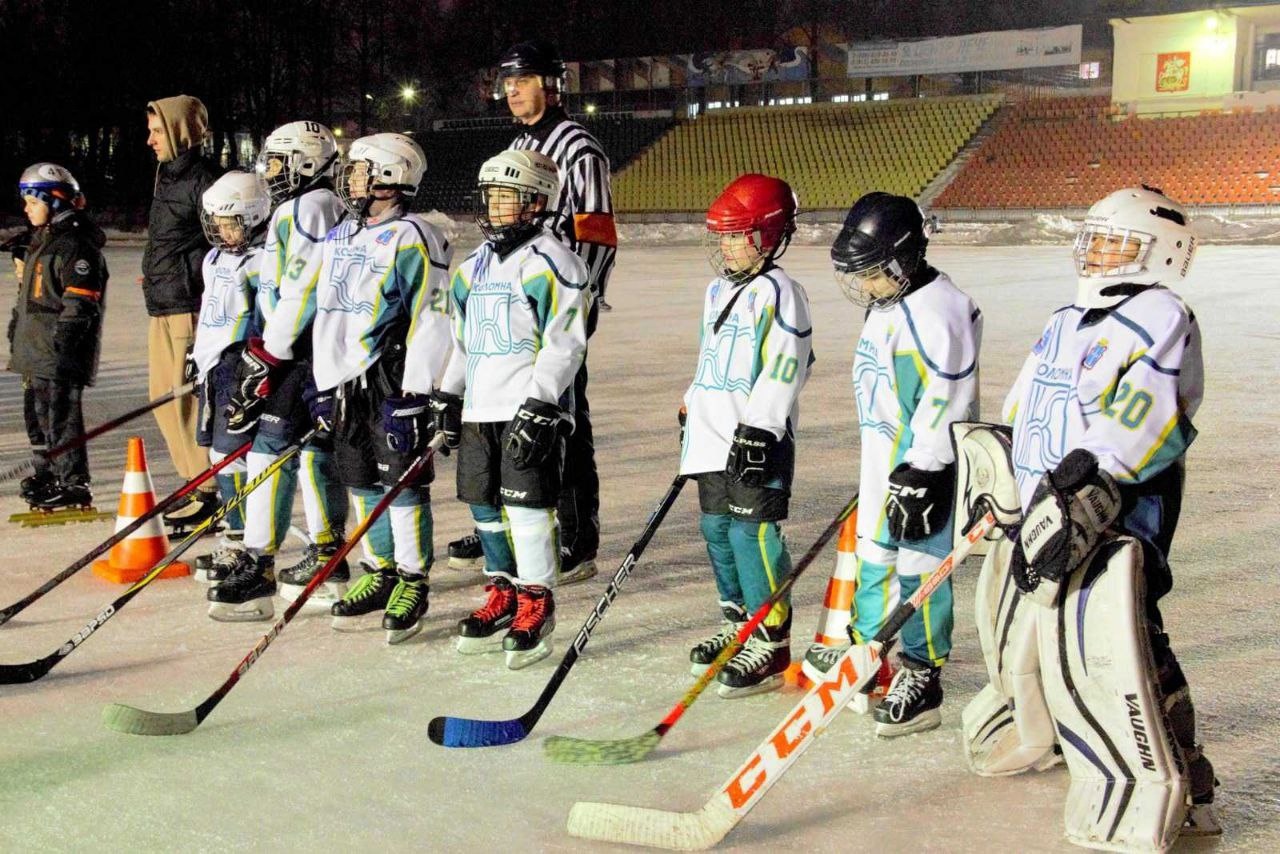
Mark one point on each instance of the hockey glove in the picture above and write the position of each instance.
(190, 370)
(323, 409)
(252, 386)
(919, 501)
(533, 433)
(750, 455)
(406, 421)
(446, 418)
(1069, 512)
(683, 417)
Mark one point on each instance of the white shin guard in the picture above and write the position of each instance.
(535, 536)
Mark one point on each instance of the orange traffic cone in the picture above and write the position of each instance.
(135, 555)
(833, 626)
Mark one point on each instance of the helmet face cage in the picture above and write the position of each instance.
(1115, 245)
(867, 287)
(357, 179)
(226, 232)
(738, 256)
(508, 227)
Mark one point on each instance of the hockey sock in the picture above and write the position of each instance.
(715, 530)
(411, 529)
(927, 635)
(536, 539)
(324, 500)
(875, 593)
(495, 540)
(762, 561)
(379, 542)
(230, 481)
(267, 510)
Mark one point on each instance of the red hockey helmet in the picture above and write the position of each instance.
(760, 206)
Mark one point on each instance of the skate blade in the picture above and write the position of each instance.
(242, 612)
(41, 518)
(696, 670)
(201, 576)
(770, 683)
(465, 563)
(922, 722)
(480, 646)
(395, 636)
(1201, 821)
(520, 659)
(357, 623)
(322, 599)
(581, 572)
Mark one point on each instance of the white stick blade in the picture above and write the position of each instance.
(674, 831)
(127, 719)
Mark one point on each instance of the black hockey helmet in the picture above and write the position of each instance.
(532, 57)
(883, 236)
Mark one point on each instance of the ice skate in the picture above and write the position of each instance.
(294, 578)
(60, 504)
(1201, 821)
(406, 608)
(245, 595)
(370, 593)
(705, 652)
(820, 658)
(34, 486)
(529, 639)
(466, 553)
(198, 509)
(485, 629)
(913, 703)
(574, 569)
(204, 563)
(221, 563)
(759, 666)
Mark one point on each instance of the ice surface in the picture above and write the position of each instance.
(323, 745)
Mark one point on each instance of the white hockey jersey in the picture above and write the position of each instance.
(291, 266)
(519, 327)
(379, 283)
(750, 369)
(1123, 385)
(914, 373)
(229, 307)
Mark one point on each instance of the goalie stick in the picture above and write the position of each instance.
(584, 751)
(11, 674)
(105, 546)
(470, 732)
(695, 831)
(128, 719)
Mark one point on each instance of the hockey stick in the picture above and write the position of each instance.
(122, 718)
(584, 751)
(26, 465)
(694, 831)
(105, 546)
(11, 674)
(470, 732)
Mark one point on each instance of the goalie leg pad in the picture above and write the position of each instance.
(1128, 776)
(1007, 728)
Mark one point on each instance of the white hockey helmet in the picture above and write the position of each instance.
(234, 209)
(296, 154)
(382, 161)
(525, 177)
(1135, 236)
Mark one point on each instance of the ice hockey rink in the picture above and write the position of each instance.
(323, 745)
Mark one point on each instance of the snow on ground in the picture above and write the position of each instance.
(323, 745)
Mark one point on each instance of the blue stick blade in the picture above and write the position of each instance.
(465, 732)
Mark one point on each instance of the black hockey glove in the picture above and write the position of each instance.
(533, 433)
(190, 370)
(253, 386)
(446, 418)
(1071, 508)
(919, 501)
(407, 422)
(751, 455)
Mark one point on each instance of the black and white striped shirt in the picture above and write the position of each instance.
(584, 211)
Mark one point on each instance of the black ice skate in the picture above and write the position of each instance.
(294, 578)
(759, 666)
(820, 658)
(217, 567)
(33, 487)
(466, 553)
(484, 630)
(575, 568)
(64, 496)
(529, 639)
(60, 503)
(705, 652)
(204, 563)
(246, 593)
(914, 701)
(370, 593)
(198, 509)
(406, 608)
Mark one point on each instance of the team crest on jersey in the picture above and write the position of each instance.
(1095, 353)
(385, 238)
(751, 303)
(1044, 342)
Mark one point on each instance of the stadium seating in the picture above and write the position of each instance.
(830, 153)
(1069, 152)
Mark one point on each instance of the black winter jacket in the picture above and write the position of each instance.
(171, 282)
(57, 325)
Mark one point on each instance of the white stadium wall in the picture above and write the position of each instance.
(1163, 60)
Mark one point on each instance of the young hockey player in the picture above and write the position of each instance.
(56, 332)
(381, 340)
(740, 419)
(520, 305)
(234, 213)
(914, 373)
(298, 161)
(1101, 416)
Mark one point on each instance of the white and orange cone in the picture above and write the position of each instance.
(135, 555)
(833, 626)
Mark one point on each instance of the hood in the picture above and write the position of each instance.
(79, 221)
(185, 122)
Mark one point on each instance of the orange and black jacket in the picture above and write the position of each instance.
(57, 325)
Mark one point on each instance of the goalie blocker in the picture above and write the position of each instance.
(1082, 673)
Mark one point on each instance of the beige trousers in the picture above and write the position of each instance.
(168, 338)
